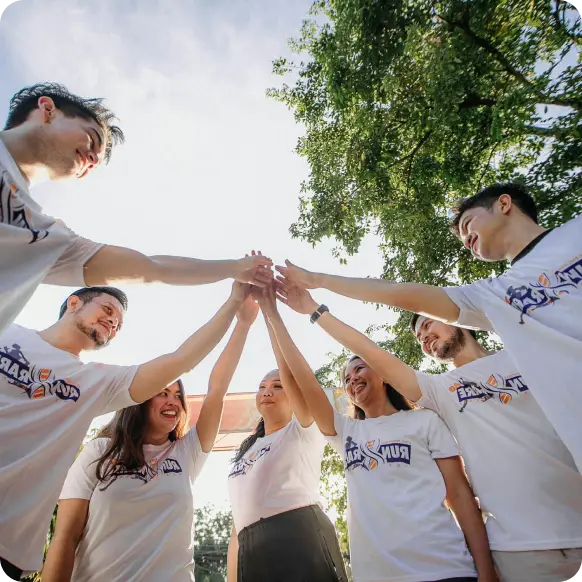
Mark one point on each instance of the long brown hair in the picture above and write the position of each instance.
(126, 433)
(393, 396)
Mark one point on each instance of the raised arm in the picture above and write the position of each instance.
(392, 369)
(463, 504)
(424, 299)
(153, 376)
(266, 299)
(113, 264)
(315, 397)
(222, 373)
(60, 559)
(232, 558)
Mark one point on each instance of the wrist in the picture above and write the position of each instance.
(319, 280)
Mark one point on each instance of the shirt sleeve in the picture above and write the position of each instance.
(194, 448)
(68, 270)
(310, 433)
(441, 442)
(114, 386)
(339, 422)
(82, 479)
(429, 391)
(469, 300)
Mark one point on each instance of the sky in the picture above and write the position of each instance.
(208, 169)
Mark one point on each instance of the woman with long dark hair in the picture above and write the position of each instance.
(280, 533)
(126, 511)
(401, 466)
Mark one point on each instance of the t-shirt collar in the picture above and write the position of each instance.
(530, 246)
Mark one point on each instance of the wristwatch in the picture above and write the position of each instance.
(318, 313)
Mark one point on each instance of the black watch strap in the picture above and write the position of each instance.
(318, 313)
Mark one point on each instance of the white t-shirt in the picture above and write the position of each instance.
(280, 472)
(140, 524)
(399, 528)
(524, 476)
(48, 399)
(536, 309)
(36, 248)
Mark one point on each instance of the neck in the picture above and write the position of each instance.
(380, 408)
(520, 232)
(20, 143)
(471, 351)
(65, 338)
(155, 438)
(274, 425)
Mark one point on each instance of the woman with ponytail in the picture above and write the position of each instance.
(280, 533)
(126, 511)
(401, 466)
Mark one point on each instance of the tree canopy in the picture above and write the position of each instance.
(409, 105)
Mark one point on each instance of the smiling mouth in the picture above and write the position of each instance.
(169, 414)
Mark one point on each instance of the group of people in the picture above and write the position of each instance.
(418, 449)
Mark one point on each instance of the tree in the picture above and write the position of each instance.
(410, 104)
(213, 530)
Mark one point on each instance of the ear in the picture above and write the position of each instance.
(505, 203)
(74, 304)
(47, 108)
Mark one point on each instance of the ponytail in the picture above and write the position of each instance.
(259, 432)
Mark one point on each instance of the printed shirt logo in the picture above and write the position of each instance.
(14, 212)
(548, 289)
(370, 455)
(147, 473)
(497, 386)
(245, 465)
(33, 381)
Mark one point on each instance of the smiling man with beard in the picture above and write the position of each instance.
(48, 398)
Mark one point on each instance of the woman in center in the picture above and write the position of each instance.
(280, 533)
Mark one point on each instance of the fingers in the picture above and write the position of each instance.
(282, 299)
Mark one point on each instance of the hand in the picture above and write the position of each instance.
(297, 298)
(268, 302)
(240, 291)
(298, 276)
(248, 311)
(254, 269)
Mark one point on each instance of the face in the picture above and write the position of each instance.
(439, 340)
(100, 319)
(70, 147)
(271, 398)
(362, 384)
(165, 410)
(481, 230)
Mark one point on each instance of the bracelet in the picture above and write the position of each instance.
(318, 313)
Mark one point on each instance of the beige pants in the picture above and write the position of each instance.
(539, 565)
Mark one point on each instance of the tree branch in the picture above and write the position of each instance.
(412, 156)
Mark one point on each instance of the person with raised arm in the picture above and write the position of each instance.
(53, 134)
(503, 435)
(401, 464)
(280, 533)
(535, 306)
(126, 511)
(49, 398)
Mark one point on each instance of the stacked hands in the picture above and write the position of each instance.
(257, 287)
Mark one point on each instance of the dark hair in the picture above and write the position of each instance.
(26, 100)
(259, 432)
(488, 196)
(126, 433)
(87, 294)
(415, 317)
(393, 396)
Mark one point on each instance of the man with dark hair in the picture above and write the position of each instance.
(52, 134)
(535, 307)
(48, 398)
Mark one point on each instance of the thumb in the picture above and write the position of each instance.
(289, 263)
